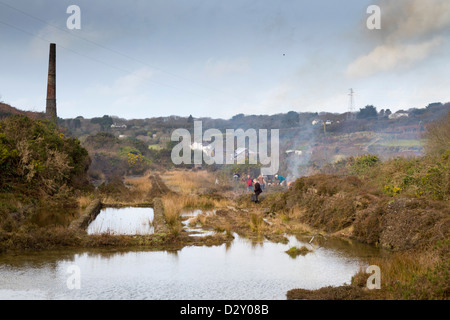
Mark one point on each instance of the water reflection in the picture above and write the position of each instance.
(123, 221)
(239, 270)
(51, 216)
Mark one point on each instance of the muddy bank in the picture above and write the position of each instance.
(334, 293)
(159, 222)
(345, 207)
(415, 229)
(404, 224)
(75, 236)
(159, 188)
(37, 239)
(89, 214)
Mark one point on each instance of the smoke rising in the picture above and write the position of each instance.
(411, 30)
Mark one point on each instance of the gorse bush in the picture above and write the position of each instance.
(363, 163)
(35, 153)
(426, 177)
(101, 140)
(136, 162)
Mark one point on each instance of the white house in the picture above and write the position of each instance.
(199, 146)
(398, 115)
(123, 126)
(297, 152)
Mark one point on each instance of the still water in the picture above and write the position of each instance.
(123, 221)
(239, 270)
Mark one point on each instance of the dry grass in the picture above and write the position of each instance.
(295, 215)
(140, 188)
(189, 182)
(290, 221)
(172, 210)
(175, 204)
(84, 201)
(409, 275)
(199, 219)
(256, 222)
(226, 227)
(400, 267)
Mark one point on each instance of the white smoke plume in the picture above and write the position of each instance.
(411, 30)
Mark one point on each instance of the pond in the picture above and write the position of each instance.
(241, 269)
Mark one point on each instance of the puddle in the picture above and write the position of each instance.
(196, 231)
(127, 221)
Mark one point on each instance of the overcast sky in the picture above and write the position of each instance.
(143, 59)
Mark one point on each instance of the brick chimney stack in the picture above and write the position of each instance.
(50, 109)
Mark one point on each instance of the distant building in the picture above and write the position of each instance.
(122, 126)
(398, 115)
(239, 151)
(207, 149)
(297, 152)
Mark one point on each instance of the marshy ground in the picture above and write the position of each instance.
(313, 208)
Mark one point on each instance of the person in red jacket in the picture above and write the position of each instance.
(249, 183)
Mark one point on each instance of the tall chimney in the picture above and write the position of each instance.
(50, 109)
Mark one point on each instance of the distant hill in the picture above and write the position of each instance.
(306, 139)
(7, 110)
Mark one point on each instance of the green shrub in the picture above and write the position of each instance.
(35, 153)
(362, 164)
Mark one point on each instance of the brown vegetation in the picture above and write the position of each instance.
(294, 251)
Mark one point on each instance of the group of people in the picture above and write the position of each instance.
(258, 185)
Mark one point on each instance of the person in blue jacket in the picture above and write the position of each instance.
(281, 180)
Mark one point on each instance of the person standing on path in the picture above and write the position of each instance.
(262, 182)
(258, 190)
(249, 183)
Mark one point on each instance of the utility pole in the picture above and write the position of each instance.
(351, 107)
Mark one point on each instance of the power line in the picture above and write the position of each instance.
(111, 50)
(91, 58)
